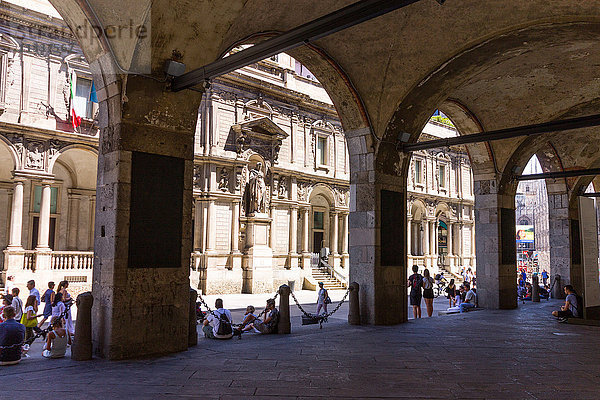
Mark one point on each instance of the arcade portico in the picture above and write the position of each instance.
(487, 65)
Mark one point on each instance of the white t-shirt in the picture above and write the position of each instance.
(17, 304)
(470, 297)
(322, 295)
(27, 309)
(9, 287)
(36, 293)
(214, 321)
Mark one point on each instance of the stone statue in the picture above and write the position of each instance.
(256, 190)
(224, 180)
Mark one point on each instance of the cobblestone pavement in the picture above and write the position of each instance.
(515, 354)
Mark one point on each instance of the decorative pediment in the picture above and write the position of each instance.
(261, 135)
(9, 42)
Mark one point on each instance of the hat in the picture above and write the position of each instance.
(320, 283)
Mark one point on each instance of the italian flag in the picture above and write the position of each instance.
(75, 120)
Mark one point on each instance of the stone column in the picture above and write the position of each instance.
(92, 222)
(345, 234)
(235, 227)
(426, 241)
(44, 219)
(559, 237)
(293, 230)
(16, 217)
(73, 221)
(450, 239)
(211, 226)
(496, 246)
(144, 214)
(460, 253)
(272, 231)
(198, 225)
(473, 258)
(333, 242)
(409, 236)
(305, 229)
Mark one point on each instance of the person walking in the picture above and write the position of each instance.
(415, 282)
(17, 304)
(428, 291)
(10, 284)
(451, 293)
(33, 291)
(48, 299)
(322, 299)
(29, 318)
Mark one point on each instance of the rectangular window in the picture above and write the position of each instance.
(82, 104)
(318, 220)
(442, 176)
(418, 171)
(321, 150)
(37, 199)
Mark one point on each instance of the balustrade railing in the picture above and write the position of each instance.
(72, 260)
(29, 260)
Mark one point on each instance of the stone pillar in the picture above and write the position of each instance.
(211, 226)
(409, 236)
(472, 244)
(305, 229)
(73, 221)
(345, 234)
(44, 219)
(353, 304)
(460, 253)
(82, 345)
(192, 319)
(92, 222)
(496, 246)
(293, 230)
(284, 326)
(16, 217)
(235, 227)
(559, 237)
(426, 242)
(198, 225)
(144, 217)
(450, 239)
(333, 242)
(272, 230)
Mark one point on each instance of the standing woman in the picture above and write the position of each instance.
(428, 291)
(29, 318)
(48, 299)
(451, 292)
(62, 288)
(58, 307)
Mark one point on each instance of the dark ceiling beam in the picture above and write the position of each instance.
(527, 130)
(557, 175)
(336, 21)
(596, 194)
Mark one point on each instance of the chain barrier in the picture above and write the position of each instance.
(321, 317)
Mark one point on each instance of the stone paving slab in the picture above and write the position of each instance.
(492, 354)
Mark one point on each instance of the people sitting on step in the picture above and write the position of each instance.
(249, 317)
(56, 340)
(217, 324)
(269, 325)
(12, 336)
(571, 307)
(470, 299)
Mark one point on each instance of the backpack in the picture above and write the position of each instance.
(416, 281)
(224, 325)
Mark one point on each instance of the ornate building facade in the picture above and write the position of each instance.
(271, 176)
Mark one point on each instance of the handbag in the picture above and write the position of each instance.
(328, 300)
(29, 323)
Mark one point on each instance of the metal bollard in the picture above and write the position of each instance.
(353, 305)
(284, 326)
(535, 288)
(557, 290)
(193, 321)
(82, 344)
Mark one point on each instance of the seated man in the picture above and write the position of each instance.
(217, 324)
(470, 299)
(12, 335)
(570, 309)
(269, 325)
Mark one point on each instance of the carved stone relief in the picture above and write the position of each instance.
(35, 156)
(224, 180)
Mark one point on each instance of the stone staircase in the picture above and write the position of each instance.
(449, 275)
(329, 281)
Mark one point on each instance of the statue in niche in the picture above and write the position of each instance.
(282, 190)
(224, 180)
(256, 190)
(35, 157)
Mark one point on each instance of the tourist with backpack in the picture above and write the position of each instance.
(217, 324)
(573, 307)
(415, 282)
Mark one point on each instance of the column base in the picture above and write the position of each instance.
(257, 268)
(292, 261)
(306, 260)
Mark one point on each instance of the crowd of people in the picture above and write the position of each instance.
(19, 322)
(460, 299)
